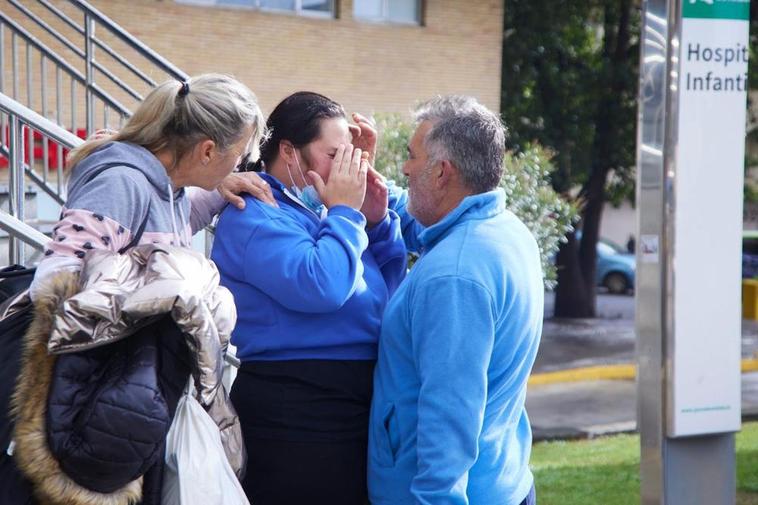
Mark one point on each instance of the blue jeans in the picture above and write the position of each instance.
(531, 498)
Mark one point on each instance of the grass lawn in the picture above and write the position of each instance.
(606, 470)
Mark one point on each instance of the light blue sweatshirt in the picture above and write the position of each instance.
(305, 287)
(458, 340)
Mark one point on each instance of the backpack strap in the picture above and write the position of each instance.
(137, 236)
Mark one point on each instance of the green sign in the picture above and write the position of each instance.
(716, 9)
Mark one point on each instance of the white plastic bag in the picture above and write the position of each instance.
(231, 366)
(197, 471)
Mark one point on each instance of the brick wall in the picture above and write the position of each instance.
(367, 67)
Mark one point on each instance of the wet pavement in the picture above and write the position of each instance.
(593, 408)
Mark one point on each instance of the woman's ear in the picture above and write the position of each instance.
(287, 151)
(206, 150)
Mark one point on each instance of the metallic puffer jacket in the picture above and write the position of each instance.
(122, 292)
(116, 295)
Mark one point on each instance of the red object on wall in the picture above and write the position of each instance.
(38, 151)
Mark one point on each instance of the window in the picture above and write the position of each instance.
(323, 8)
(392, 11)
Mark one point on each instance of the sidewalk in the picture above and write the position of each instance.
(593, 408)
(583, 379)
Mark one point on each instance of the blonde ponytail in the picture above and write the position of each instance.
(216, 107)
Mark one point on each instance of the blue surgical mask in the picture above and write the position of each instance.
(311, 199)
(308, 196)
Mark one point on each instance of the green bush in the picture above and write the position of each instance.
(526, 181)
(529, 195)
(392, 150)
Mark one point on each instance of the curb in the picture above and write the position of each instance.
(608, 372)
(604, 430)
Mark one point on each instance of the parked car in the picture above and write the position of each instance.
(616, 267)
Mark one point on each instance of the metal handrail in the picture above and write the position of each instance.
(43, 125)
(131, 41)
(19, 229)
(63, 64)
(62, 16)
(18, 118)
(113, 54)
(99, 43)
(13, 221)
(49, 53)
(39, 22)
(92, 18)
(36, 178)
(110, 75)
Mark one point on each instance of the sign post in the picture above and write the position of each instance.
(691, 138)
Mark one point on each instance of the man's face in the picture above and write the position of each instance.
(421, 189)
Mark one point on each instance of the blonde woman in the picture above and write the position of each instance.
(156, 180)
(126, 189)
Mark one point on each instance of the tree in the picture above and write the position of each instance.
(570, 83)
(752, 127)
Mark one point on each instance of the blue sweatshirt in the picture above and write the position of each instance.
(307, 288)
(448, 424)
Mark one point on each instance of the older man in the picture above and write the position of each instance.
(459, 337)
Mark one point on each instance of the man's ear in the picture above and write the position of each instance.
(446, 173)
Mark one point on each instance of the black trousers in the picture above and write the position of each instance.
(305, 425)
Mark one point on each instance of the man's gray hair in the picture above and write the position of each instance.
(467, 134)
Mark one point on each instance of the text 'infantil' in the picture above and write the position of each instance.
(721, 58)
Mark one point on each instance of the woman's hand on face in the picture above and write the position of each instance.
(364, 136)
(377, 194)
(235, 184)
(347, 179)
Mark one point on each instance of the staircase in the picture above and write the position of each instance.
(67, 71)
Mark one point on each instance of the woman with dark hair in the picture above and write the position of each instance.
(310, 278)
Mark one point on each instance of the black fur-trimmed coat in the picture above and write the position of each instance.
(90, 421)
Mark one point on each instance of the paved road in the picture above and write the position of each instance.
(608, 306)
(594, 408)
(587, 409)
(608, 339)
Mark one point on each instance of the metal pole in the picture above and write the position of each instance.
(45, 143)
(3, 125)
(73, 106)
(675, 468)
(29, 76)
(14, 58)
(30, 104)
(2, 57)
(89, 51)
(15, 246)
(650, 287)
(59, 120)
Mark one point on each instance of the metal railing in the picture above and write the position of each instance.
(63, 64)
(24, 124)
(71, 73)
(79, 46)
